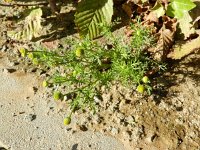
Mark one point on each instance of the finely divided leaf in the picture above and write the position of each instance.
(90, 14)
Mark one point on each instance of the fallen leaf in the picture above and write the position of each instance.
(195, 14)
(165, 40)
(134, 1)
(32, 27)
(8, 1)
(158, 9)
(165, 1)
(182, 49)
(196, 21)
(164, 43)
(51, 44)
(127, 7)
(142, 9)
(144, 1)
(186, 26)
(156, 12)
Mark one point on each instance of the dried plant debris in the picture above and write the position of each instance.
(169, 18)
(165, 40)
(182, 49)
(156, 12)
(31, 27)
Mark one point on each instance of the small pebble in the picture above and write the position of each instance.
(35, 89)
(30, 117)
(82, 127)
(4, 48)
(130, 119)
(6, 70)
(98, 99)
(114, 131)
(97, 119)
(126, 134)
(12, 64)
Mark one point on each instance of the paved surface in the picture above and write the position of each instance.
(29, 121)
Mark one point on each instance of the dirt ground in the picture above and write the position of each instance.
(169, 119)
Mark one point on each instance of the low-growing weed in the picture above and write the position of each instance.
(88, 65)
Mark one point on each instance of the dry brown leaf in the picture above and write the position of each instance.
(156, 12)
(127, 7)
(195, 14)
(128, 31)
(165, 40)
(51, 44)
(142, 9)
(165, 1)
(186, 27)
(8, 1)
(134, 1)
(31, 27)
(196, 21)
(152, 17)
(164, 43)
(182, 49)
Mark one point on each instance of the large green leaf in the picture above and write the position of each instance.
(90, 13)
(177, 8)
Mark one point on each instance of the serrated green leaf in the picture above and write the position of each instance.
(177, 8)
(90, 14)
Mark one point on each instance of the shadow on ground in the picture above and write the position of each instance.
(62, 24)
(178, 72)
(75, 147)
